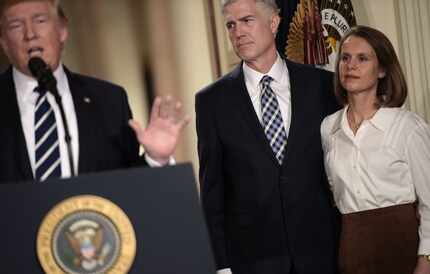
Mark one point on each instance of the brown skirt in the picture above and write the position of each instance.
(379, 241)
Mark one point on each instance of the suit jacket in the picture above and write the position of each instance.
(262, 217)
(105, 139)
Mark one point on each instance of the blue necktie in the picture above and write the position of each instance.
(272, 119)
(48, 162)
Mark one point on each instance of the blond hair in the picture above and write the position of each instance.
(5, 4)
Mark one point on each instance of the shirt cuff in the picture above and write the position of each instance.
(152, 163)
(224, 271)
(424, 247)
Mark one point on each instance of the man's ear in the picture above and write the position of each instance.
(64, 32)
(274, 23)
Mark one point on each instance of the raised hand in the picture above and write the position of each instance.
(161, 136)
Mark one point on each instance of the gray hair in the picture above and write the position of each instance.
(270, 4)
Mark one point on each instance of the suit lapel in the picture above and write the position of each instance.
(15, 135)
(84, 107)
(299, 112)
(244, 104)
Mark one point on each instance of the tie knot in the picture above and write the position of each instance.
(39, 90)
(266, 80)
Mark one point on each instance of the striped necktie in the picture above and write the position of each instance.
(272, 119)
(48, 162)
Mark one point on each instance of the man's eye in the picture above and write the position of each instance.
(41, 20)
(14, 25)
(229, 25)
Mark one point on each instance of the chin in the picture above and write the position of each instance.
(246, 54)
(350, 87)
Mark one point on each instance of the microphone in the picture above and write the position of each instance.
(46, 80)
(41, 71)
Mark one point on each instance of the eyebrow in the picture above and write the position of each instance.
(12, 20)
(241, 19)
(40, 14)
(18, 18)
(359, 53)
(246, 17)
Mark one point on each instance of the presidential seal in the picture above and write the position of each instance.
(86, 235)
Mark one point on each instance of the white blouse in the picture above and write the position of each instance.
(386, 163)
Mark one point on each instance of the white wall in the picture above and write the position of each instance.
(380, 14)
(191, 36)
(406, 23)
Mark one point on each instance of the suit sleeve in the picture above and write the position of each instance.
(129, 144)
(211, 176)
(332, 105)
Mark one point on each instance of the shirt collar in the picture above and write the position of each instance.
(278, 72)
(341, 121)
(380, 120)
(25, 84)
(383, 118)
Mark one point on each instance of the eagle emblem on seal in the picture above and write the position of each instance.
(86, 240)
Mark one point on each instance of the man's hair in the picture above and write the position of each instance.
(4, 4)
(270, 4)
(392, 89)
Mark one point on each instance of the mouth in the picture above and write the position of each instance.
(35, 51)
(243, 45)
(351, 77)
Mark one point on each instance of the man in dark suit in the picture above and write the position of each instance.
(263, 185)
(102, 135)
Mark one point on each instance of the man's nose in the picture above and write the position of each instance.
(30, 33)
(238, 31)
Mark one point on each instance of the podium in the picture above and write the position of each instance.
(161, 204)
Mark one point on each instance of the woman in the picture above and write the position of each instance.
(377, 159)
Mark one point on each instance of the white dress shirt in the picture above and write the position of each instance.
(26, 97)
(386, 163)
(280, 86)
